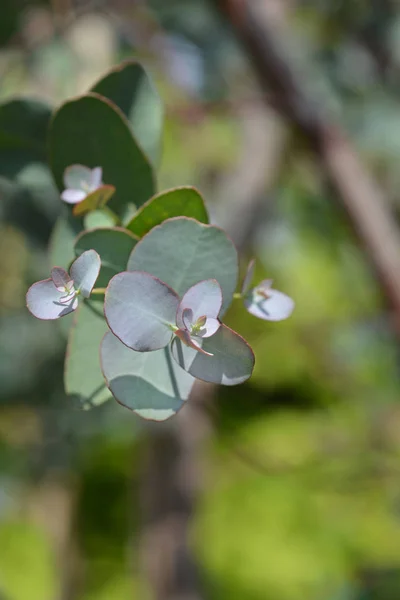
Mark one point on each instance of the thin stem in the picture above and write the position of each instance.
(237, 296)
(99, 290)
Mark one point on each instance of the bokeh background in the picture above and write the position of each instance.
(287, 487)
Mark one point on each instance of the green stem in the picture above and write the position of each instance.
(237, 296)
(99, 291)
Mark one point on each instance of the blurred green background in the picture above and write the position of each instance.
(299, 493)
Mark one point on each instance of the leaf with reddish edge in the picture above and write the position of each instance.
(140, 310)
(203, 298)
(95, 200)
(270, 305)
(44, 301)
(85, 271)
(232, 361)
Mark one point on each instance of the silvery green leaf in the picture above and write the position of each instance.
(268, 304)
(140, 310)
(182, 252)
(149, 383)
(232, 359)
(44, 301)
(85, 271)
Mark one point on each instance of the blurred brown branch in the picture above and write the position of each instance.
(263, 35)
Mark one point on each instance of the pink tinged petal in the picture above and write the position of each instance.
(73, 196)
(44, 301)
(61, 279)
(269, 306)
(204, 298)
(264, 287)
(248, 278)
(77, 177)
(211, 326)
(96, 178)
(187, 339)
(67, 297)
(85, 271)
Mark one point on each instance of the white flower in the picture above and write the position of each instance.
(80, 181)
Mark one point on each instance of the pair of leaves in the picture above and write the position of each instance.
(181, 252)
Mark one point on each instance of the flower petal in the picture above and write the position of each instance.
(204, 298)
(77, 176)
(44, 301)
(72, 196)
(96, 178)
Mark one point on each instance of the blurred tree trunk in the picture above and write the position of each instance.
(262, 30)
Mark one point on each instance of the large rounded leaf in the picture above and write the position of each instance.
(91, 131)
(182, 252)
(82, 375)
(114, 246)
(232, 359)
(178, 202)
(140, 310)
(151, 384)
(45, 301)
(131, 89)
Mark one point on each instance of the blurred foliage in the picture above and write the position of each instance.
(302, 492)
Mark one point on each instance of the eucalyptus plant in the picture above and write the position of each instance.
(148, 277)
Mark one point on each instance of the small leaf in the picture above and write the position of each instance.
(232, 361)
(182, 252)
(85, 271)
(203, 299)
(140, 310)
(44, 301)
(100, 218)
(248, 278)
(61, 279)
(131, 89)
(114, 246)
(178, 202)
(151, 384)
(82, 374)
(95, 200)
(268, 304)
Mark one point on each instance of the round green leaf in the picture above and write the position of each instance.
(140, 310)
(114, 246)
(131, 89)
(151, 384)
(92, 131)
(182, 252)
(82, 375)
(232, 359)
(178, 202)
(100, 218)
